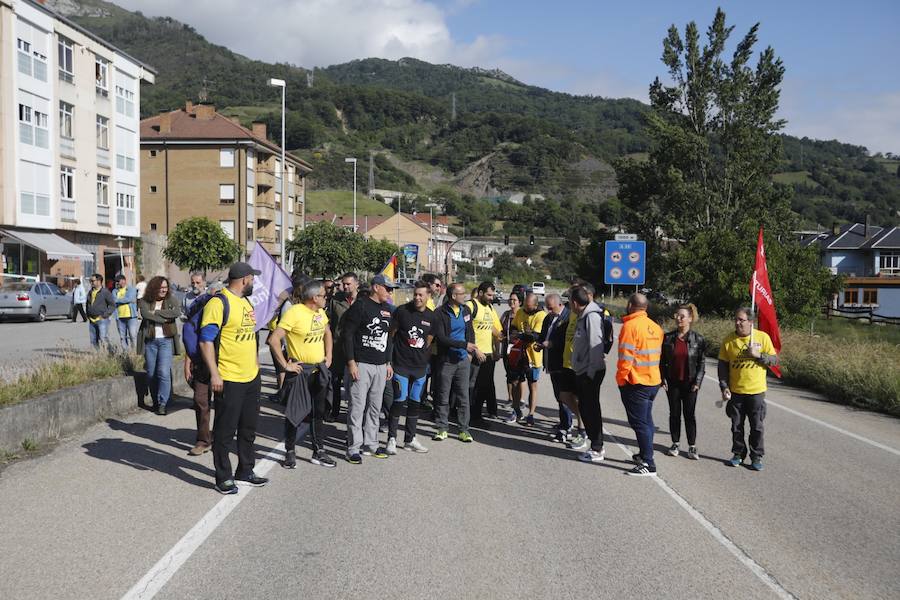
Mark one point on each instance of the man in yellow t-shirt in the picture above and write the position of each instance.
(229, 349)
(528, 322)
(125, 297)
(744, 358)
(309, 346)
(481, 374)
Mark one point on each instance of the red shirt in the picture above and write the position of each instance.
(680, 360)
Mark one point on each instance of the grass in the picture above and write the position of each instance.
(71, 370)
(848, 363)
(792, 177)
(341, 203)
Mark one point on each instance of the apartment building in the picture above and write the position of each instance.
(69, 165)
(197, 162)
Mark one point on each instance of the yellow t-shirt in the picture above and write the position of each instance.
(526, 323)
(93, 296)
(238, 360)
(484, 323)
(745, 374)
(570, 339)
(124, 310)
(305, 330)
(429, 304)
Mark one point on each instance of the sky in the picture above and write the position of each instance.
(838, 55)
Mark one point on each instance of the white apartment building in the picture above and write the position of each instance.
(69, 147)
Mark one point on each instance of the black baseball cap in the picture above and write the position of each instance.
(239, 270)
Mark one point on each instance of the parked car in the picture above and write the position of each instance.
(33, 300)
(538, 288)
(498, 297)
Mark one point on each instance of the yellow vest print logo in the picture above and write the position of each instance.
(247, 329)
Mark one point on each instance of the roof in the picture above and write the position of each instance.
(56, 247)
(186, 126)
(853, 237)
(366, 224)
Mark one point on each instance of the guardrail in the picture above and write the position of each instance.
(864, 313)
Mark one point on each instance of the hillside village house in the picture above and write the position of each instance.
(69, 164)
(197, 162)
(869, 258)
(434, 240)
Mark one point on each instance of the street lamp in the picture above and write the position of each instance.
(432, 251)
(353, 160)
(283, 85)
(119, 241)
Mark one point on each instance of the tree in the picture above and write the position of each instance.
(199, 244)
(707, 184)
(525, 250)
(326, 250)
(377, 252)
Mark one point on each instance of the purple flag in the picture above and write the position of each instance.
(267, 286)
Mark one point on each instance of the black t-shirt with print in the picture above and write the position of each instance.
(411, 352)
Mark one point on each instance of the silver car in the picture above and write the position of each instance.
(33, 300)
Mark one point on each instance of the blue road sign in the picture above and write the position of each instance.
(625, 263)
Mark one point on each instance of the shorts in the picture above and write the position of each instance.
(406, 388)
(529, 374)
(564, 380)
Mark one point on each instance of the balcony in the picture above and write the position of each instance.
(67, 210)
(264, 211)
(67, 147)
(102, 215)
(103, 158)
(265, 239)
(265, 178)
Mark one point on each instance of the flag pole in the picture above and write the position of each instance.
(753, 306)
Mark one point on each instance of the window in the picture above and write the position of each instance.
(889, 263)
(66, 60)
(226, 193)
(152, 189)
(35, 181)
(41, 129)
(124, 101)
(101, 76)
(290, 204)
(278, 234)
(67, 193)
(125, 149)
(66, 118)
(152, 226)
(26, 129)
(249, 232)
(102, 190)
(228, 228)
(226, 157)
(40, 65)
(278, 201)
(153, 154)
(851, 296)
(870, 296)
(251, 192)
(102, 133)
(125, 209)
(24, 56)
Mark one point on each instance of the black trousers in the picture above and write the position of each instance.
(587, 389)
(483, 391)
(337, 378)
(751, 407)
(237, 412)
(78, 309)
(682, 400)
(317, 421)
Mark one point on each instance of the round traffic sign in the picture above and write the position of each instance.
(634, 257)
(615, 256)
(634, 273)
(615, 273)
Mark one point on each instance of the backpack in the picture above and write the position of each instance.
(273, 324)
(473, 308)
(607, 328)
(516, 356)
(190, 333)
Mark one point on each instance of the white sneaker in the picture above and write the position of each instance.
(673, 450)
(593, 456)
(391, 446)
(415, 446)
(579, 442)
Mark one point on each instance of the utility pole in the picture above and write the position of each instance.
(371, 174)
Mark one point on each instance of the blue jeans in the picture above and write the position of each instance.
(128, 329)
(638, 402)
(158, 358)
(98, 332)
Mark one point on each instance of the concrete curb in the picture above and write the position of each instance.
(69, 411)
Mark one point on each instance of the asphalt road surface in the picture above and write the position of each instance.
(122, 511)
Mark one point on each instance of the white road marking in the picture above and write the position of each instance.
(717, 533)
(855, 436)
(160, 574)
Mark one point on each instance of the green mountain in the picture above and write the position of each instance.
(505, 136)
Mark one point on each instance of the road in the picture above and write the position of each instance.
(122, 511)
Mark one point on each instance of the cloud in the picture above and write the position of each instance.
(324, 32)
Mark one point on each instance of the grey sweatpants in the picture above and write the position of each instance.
(364, 407)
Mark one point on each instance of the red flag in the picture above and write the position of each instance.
(761, 293)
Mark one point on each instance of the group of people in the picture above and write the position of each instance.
(346, 341)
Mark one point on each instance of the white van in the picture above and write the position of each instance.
(538, 288)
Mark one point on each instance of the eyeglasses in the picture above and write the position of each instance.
(742, 320)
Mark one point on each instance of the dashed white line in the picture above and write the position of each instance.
(758, 570)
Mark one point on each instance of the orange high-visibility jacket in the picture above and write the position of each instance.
(640, 348)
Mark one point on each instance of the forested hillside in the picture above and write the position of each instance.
(505, 137)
